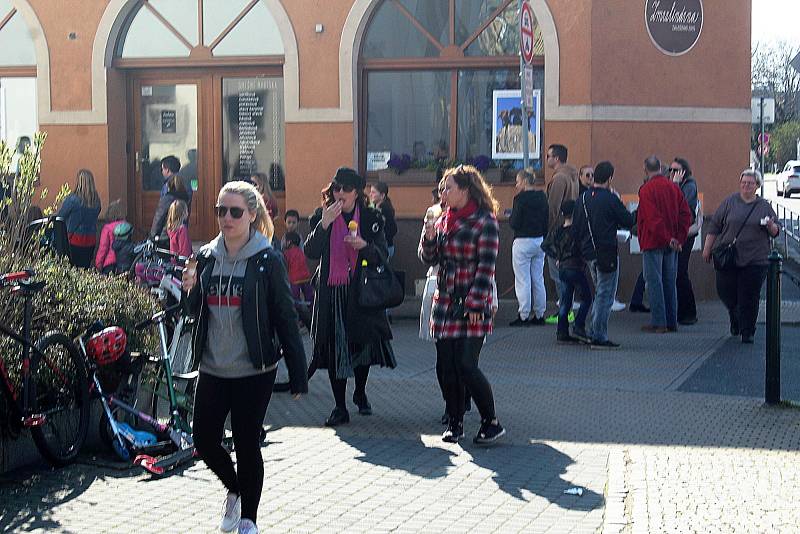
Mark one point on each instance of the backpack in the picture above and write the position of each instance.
(123, 247)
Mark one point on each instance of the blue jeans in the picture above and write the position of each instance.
(572, 279)
(660, 268)
(605, 289)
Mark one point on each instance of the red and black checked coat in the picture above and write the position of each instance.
(466, 257)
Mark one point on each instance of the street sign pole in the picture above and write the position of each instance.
(761, 144)
(525, 147)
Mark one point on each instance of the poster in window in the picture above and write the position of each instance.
(168, 121)
(508, 128)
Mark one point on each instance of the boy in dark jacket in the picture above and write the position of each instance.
(572, 272)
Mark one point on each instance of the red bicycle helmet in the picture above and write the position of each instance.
(107, 346)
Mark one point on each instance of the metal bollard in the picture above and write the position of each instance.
(772, 389)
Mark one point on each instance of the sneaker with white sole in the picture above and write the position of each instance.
(231, 512)
(247, 527)
(618, 306)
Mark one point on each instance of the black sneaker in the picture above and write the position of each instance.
(338, 416)
(454, 432)
(360, 400)
(747, 339)
(687, 321)
(280, 387)
(488, 433)
(519, 321)
(603, 345)
(535, 321)
(639, 308)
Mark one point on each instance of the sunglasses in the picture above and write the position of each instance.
(674, 170)
(222, 211)
(336, 187)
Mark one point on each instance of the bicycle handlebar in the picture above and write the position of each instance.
(17, 276)
(158, 317)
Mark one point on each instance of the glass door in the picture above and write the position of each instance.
(166, 124)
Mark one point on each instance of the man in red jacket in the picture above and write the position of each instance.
(663, 219)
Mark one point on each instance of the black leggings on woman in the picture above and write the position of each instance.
(339, 385)
(246, 399)
(458, 360)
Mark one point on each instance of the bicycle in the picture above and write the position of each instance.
(52, 395)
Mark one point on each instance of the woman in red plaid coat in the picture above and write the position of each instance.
(464, 243)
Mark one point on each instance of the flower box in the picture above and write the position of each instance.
(410, 176)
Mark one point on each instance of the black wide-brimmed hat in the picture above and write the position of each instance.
(347, 176)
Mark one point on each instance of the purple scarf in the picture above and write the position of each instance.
(343, 256)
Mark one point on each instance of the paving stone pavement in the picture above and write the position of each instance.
(648, 456)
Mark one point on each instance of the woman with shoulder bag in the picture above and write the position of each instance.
(346, 236)
(237, 280)
(464, 243)
(738, 241)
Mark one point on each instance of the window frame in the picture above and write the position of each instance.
(452, 58)
(199, 55)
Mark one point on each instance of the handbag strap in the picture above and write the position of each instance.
(744, 222)
(588, 223)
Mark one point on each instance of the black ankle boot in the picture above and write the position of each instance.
(454, 432)
(338, 416)
(360, 400)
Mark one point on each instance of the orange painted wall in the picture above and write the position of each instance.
(627, 69)
(318, 52)
(575, 30)
(69, 148)
(313, 153)
(70, 60)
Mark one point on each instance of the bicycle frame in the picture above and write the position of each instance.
(22, 406)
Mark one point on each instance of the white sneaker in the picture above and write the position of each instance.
(247, 527)
(231, 513)
(618, 306)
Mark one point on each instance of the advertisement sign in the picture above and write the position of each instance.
(674, 26)
(508, 128)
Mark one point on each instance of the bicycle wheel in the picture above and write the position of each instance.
(59, 392)
(156, 385)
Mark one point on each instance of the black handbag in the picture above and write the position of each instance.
(724, 256)
(379, 287)
(607, 259)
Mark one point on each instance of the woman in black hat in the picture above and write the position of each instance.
(347, 340)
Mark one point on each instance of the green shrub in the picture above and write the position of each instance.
(72, 298)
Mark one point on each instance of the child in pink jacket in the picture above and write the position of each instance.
(177, 230)
(106, 260)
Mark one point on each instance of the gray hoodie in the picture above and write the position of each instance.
(225, 354)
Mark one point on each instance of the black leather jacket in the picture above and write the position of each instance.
(267, 309)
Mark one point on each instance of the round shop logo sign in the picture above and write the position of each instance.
(674, 25)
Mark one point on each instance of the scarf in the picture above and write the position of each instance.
(453, 216)
(343, 256)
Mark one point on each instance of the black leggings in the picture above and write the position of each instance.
(246, 399)
(458, 360)
(339, 385)
(740, 290)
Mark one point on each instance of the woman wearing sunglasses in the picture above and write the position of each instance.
(240, 280)
(347, 339)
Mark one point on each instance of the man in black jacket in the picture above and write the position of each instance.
(599, 213)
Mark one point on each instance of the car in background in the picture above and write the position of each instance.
(788, 181)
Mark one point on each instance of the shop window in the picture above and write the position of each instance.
(18, 120)
(433, 71)
(408, 114)
(252, 129)
(175, 29)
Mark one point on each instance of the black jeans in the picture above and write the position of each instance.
(740, 290)
(339, 385)
(686, 304)
(458, 360)
(246, 399)
(637, 297)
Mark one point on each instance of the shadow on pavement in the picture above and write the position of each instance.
(517, 470)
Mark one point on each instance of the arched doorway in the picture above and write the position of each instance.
(430, 76)
(204, 83)
(18, 108)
